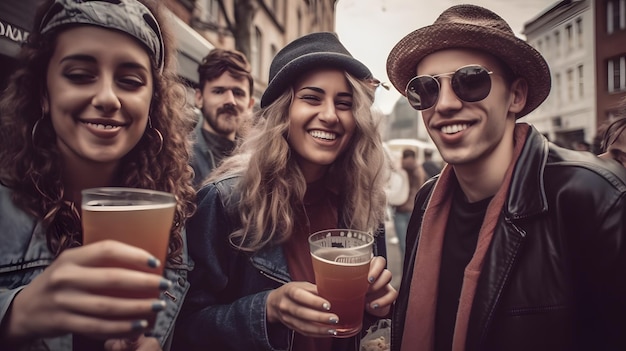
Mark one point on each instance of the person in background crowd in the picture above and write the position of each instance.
(312, 161)
(614, 141)
(402, 213)
(225, 99)
(430, 167)
(518, 244)
(397, 187)
(95, 103)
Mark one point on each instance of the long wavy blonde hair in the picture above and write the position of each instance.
(272, 187)
(31, 165)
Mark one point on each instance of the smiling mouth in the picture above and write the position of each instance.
(318, 134)
(454, 128)
(102, 126)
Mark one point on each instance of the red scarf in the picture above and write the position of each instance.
(419, 324)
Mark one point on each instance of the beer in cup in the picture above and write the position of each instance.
(341, 261)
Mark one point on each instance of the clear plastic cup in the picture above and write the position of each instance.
(341, 261)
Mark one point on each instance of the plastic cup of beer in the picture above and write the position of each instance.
(138, 217)
(341, 261)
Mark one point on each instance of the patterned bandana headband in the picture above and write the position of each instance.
(128, 16)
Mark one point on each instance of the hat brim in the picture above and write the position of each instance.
(522, 58)
(294, 69)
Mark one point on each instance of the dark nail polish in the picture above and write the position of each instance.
(139, 325)
(326, 306)
(164, 284)
(370, 279)
(375, 306)
(153, 262)
(333, 320)
(158, 306)
(332, 332)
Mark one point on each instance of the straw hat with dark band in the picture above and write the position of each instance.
(321, 49)
(472, 27)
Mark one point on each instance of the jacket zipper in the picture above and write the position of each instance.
(271, 277)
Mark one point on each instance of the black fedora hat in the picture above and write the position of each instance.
(471, 27)
(321, 49)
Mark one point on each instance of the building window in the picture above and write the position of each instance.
(257, 53)
(579, 31)
(539, 45)
(557, 43)
(617, 74)
(299, 23)
(581, 81)
(570, 85)
(279, 10)
(557, 91)
(209, 11)
(615, 15)
(548, 47)
(569, 31)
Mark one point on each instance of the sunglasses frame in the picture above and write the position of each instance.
(450, 75)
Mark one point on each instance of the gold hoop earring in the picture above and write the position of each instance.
(36, 127)
(158, 133)
(160, 139)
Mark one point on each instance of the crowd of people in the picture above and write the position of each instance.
(513, 243)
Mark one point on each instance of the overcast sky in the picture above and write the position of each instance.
(370, 28)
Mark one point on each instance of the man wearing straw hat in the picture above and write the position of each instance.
(518, 244)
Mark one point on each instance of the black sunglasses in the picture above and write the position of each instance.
(470, 83)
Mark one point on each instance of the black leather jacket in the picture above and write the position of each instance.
(554, 277)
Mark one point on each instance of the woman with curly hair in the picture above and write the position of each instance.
(96, 103)
(313, 160)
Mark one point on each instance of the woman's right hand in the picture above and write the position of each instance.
(297, 306)
(80, 292)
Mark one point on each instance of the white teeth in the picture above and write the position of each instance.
(455, 128)
(323, 135)
(102, 126)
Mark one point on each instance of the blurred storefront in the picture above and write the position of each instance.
(16, 17)
(15, 22)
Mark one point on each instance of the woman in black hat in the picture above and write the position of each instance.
(313, 161)
(96, 103)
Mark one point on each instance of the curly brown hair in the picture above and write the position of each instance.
(30, 162)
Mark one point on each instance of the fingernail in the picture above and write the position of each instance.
(375, 306)
(153, 262)
(139, 325)
(371, 279)
(164, 284)
(333, 320)
(158, 306)
(332, 332)
(149, 333)
(326, 306)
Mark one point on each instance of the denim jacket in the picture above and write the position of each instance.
(225, 308)
(24, 254)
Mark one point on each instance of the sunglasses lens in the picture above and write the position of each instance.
(422, 92)
(471, 83)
